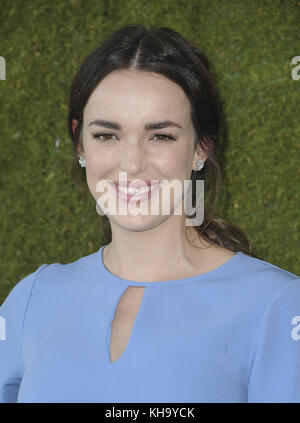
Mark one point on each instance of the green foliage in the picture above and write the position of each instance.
(46, 217)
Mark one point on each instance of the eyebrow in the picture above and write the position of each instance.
(148, 126)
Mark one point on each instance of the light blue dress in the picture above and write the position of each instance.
(228, 335)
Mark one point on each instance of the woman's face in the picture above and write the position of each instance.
(131, 100)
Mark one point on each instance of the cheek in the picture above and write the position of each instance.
(99, 166)
(94, 164)
(174, 164)
(99, 162)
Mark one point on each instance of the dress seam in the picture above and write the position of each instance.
(26, 307)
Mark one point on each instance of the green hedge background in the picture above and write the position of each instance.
(46, 217)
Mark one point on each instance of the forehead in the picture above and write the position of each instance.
(126, 92)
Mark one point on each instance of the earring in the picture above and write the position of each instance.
(199, 165)
(82, 161)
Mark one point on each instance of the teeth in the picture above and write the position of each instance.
(133, 191)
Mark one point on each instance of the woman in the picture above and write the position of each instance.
(166, 311)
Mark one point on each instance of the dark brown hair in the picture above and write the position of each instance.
(165, 51)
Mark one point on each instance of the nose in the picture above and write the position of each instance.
(133, 159)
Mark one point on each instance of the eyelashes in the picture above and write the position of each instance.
(166, 137)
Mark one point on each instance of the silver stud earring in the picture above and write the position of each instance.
(82, 161)
(199, 165)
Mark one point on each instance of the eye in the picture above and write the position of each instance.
(166, 138)
(106, 138)
(98, 137)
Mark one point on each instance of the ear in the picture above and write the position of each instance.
(199, 154)
(74, 125)
(78, 147)
(79, 150)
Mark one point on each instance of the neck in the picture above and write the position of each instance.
(159, 253)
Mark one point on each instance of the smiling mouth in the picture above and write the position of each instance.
(136, 194)
(128, 190)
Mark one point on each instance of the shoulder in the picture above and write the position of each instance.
(264, 283)
(252, 268)
(58, 275)
(264, 272)
(50, 275)
(256, 281)
(13, 309)
(246, 269)
(22, 289)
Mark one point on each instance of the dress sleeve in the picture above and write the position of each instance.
(12, 314)
(274, 363)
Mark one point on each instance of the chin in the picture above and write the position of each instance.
(137, 223)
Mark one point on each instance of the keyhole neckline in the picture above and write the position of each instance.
(201, 277)
(135, 322)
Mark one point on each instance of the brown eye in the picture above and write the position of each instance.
(165, 138)
(106, 137)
